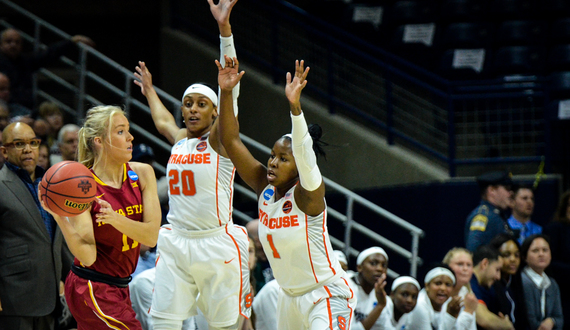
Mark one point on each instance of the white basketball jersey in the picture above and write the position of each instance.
(297, 246)
(200, 185)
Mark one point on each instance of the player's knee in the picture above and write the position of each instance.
(166, 324)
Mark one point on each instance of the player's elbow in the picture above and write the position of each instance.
(88, 259)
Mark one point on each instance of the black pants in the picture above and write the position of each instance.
(27, 322)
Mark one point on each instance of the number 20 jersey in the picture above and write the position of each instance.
(200, 185)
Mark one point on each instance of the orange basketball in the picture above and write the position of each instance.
(68, 188)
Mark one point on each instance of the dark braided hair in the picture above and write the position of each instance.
(316, 133)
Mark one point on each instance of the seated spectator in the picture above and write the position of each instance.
(558, 229)
(399, 304)
(20, 67)
(147, 259)
(508, 289)
(5, 95)
(140, 290)
(2, 160)
(369, 283)
(4, 88)
(4, 115)
(541, 292)
(67, 141)
(341, 257)
(27, 119)
(522, 208)
(428, 314)
(487, 270)
(262, 271)
(41, 128)
(461, 262)
(43, 159)
(51, 115)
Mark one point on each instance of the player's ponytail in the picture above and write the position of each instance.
(316, 133)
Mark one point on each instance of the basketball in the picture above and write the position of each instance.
(68, 188)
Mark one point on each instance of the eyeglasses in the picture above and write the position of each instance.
(33, 143)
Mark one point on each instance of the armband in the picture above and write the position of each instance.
(227, 47)
(305, 158)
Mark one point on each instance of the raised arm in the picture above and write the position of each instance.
(221, 13)
(310, 196)
(163, 119)
(145, 232)
(250, 170)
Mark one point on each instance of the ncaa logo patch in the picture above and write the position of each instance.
(133, 175)
(287, 206)
(201, 146)
(267, 194)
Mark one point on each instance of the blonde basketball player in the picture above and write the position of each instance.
(203, 256)
(292, 213)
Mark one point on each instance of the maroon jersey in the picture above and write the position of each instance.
(117, 254)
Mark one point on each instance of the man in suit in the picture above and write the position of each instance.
(31, 244)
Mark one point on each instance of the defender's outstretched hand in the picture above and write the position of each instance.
(229, 76)
(144, 78)
(222, 10)
(295, 85)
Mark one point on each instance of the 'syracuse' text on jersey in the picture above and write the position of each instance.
(297, 245)
(117, 254)
(200, 185)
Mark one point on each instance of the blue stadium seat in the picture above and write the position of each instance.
(462, 10)
(410, 12)
(553, 9)
(558, 58)
(415, 46)
(521, 32)
(501, 10)
(365, 21)
(558, 85)
(524, 60)
(467, 35)
(559, 31)
(450, 70)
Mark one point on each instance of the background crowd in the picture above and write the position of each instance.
(510, 274)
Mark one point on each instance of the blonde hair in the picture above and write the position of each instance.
(451, 253)
(97, 124)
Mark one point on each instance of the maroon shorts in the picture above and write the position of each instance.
(96, 305)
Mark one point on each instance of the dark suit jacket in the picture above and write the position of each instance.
(30, 264)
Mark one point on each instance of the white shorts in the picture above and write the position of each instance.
(206, 269)
(328, 307)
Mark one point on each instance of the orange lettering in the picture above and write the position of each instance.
(294, 221)
(248, 300)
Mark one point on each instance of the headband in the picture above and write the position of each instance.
(201, 89)
(366, 253)
(437, 271)
(340, 256)
(403, 280)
